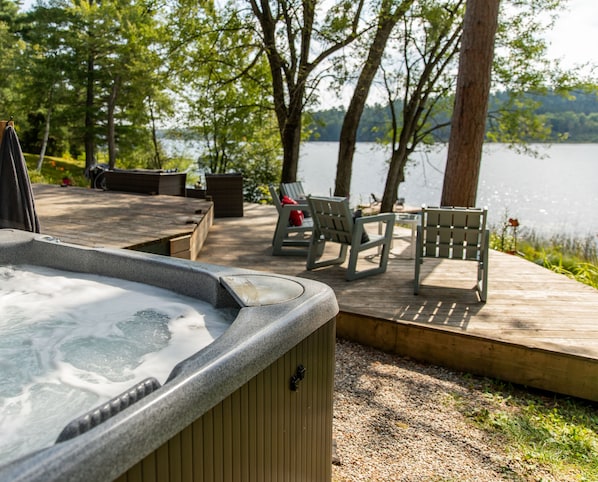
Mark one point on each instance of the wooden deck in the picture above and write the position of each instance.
(171, 225)
(538, 328)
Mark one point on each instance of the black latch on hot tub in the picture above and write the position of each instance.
(297, 377)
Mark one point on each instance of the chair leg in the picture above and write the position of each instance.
(483, 281)
(353, 274)
(483, 273)
(316, 247)
(418, 262)
(316, 250)
(278, 239)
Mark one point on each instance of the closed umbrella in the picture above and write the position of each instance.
(17, 209)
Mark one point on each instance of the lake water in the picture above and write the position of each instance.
(555, 193)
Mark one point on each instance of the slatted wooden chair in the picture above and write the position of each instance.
(294, 190)
(289, 239)
(334, 223)
(454, 233)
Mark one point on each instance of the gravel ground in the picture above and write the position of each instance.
(397, 420)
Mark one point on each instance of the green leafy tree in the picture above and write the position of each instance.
(95, 73)
(298, 37)
(45, 91)
(11, 49)
(223, 77)
(388, 16)
(420, 74)
(427, 44)
(133, 79)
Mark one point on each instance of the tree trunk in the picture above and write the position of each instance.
(348, 134)
(291, 142)
(396, 175)
(471, 104)
(42, 151)
(292, 72)
(89, 107)
(157, 163)
(111, 124)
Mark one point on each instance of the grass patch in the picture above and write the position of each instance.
(558, 435)
(55, 169)
(574, 257)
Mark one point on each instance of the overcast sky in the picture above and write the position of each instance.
(574, 36)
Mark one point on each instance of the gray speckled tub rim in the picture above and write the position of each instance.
(259, 335)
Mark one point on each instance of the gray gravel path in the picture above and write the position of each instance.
(397, 420)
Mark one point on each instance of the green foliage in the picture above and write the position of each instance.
(212, 58)
(224, 78)
(558, 435)
(55, 169)
(576, 258)
(552, 117)
(100, 89)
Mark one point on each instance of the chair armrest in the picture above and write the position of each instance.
(287, 208)
(377, 218)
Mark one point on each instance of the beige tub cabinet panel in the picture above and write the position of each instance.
(264, 431)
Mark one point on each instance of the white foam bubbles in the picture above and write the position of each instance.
(71, 341)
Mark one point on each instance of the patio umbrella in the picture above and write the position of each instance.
(16, 198)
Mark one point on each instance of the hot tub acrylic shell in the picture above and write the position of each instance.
(255, 404)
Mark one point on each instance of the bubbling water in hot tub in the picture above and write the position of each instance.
(71, 341)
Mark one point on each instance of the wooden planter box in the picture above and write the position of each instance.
(146, 181)
(226, 191)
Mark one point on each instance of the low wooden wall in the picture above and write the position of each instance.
(534, 367)
(146, 182)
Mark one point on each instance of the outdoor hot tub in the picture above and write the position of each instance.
(251, 399)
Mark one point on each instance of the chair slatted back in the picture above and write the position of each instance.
(293, 189)
(453, 233)
(332, 218)
(275, 198)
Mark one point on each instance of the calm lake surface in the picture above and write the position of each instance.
(555, 193)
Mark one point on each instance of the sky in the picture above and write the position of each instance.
(571, 40)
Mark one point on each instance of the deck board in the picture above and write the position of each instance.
(111, 219)
(545, 316)
(537, 327)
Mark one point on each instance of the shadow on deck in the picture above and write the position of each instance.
(538, 328)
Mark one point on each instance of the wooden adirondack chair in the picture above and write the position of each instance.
(454, 233)
(289, 239)
(294, 190)
(334, 223)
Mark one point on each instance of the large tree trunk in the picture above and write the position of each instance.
(291, 137)
(348, 134)
(471, 104)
